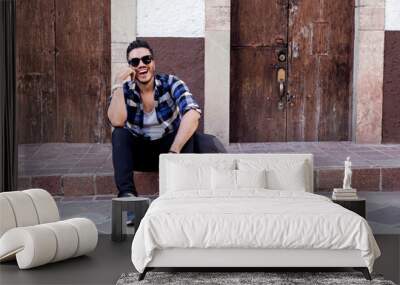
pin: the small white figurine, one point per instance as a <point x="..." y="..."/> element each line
<point x="347" y="174"/>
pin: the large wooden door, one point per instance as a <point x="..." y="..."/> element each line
<point x="257" y="38"/>
<point x="320" y="70"/>
<point x="315" y="37"/>
<point x="63" y="70"/>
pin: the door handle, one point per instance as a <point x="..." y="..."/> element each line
<point x="281" y="79"/>
<point x="281" y="88"/>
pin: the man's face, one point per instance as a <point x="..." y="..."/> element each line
<point x="144" y="72"/>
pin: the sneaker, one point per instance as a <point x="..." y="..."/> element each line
<point x="130" y="219"/>
<point x="130" y="216"/>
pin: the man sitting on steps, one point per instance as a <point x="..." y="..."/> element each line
<point x="151" y="114"/>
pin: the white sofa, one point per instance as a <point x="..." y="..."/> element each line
<point x="31" y="231"/>
<point x="178" y="230"/>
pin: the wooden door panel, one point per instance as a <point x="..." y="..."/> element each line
<point x="63" y="70"/>
<point x="258" y="22"/>
<point x="320" y="64"/>
<point x="258" y="32"/>
<point x="335" y="120"/>
<point x="83" y="68"/>
<point x="254" y="115"/>
<point x="35" y="72"/>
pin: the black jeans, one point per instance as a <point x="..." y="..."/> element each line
<point x="131" y="153"/>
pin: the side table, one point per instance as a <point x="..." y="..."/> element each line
<point x="138" y="205"/>
<point x="356" y="205"/>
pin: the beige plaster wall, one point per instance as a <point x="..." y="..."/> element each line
<point x="123" y="31"/>
<point x="368" y="71"/>
<point x="217" y="69"/>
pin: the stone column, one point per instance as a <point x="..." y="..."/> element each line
<point x="217" y="68"/>
<point x="368" y="70"/>
<point x="123" y="31"/>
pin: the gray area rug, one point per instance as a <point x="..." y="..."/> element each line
<point x="232" y="278"/>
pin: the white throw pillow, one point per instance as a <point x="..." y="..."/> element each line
<point x="227" y="179"/>
<point x="188" y="177"/>
<point x="223" y="179"/>
<point x="282" y="174"/>
<point x="251" y="178"/>
<point x="182" y="173"/>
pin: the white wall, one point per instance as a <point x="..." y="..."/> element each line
<point x="392" y="15"/>
<point x="172" y="18"/>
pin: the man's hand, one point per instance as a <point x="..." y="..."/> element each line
<point x="126" y="73"/>
<point x="117" y="113"/>
<point x="189" y="124"/>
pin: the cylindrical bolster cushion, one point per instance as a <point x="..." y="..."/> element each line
<point x="23" y="208"/>
<point x="41" y="244"/>
<point x="87" y="234"/>
<point x="26" y="208"/>
<point x="46" y="207"/>
<point x="7" y="218"/>
<point x="67" y="240"/>
<point x="33" y="246"/>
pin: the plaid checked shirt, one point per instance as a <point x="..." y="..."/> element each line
<point x="172" y="100"/>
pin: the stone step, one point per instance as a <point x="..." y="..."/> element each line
<point x="72" y="169"/>
<point x="88" y="184"/>
<point x="363" y="179"/>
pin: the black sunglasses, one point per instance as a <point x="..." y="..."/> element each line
<point x="136" y="60"/>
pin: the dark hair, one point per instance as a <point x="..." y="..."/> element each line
<point x="138" y="44"/>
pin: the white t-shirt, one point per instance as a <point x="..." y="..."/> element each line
<point x="151" y="126"/>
